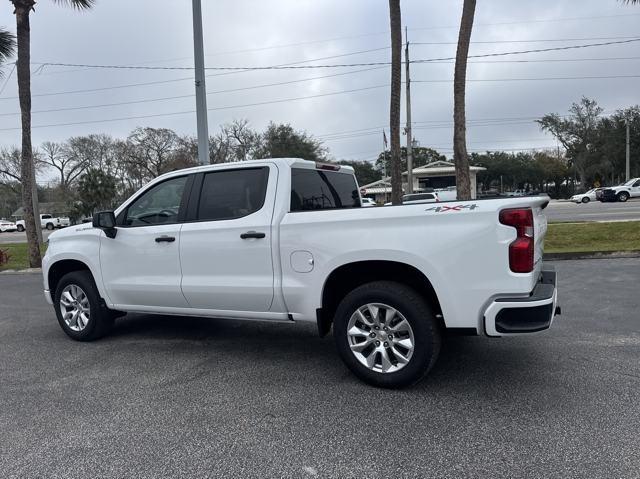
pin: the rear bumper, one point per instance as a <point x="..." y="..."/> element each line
<point x="531" y="314"/>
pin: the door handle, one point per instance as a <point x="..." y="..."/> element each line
<point x="252" y="234"/>
<point x="165" y="239"/>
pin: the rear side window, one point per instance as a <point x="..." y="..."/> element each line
<point x="322" y="190"/>
<point x="232" y="194"/>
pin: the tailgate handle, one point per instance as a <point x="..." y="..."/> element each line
<point x="252" y="234"/>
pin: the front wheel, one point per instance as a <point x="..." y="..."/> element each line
<point x="50" y="226"/>
<point x="585" y="200"/>
<point x="20" y="228"/>
<point x="387" y="334"/>
<point x="78" y="307"/>
<point x="624" y="196"/>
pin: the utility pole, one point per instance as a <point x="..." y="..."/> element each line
<point x="201" y="87"/>
<point x="408" y="127"/>
<point x="628" y="169"/>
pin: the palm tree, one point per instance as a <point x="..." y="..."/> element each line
<point x="7" y="46"/>
<point x="460" y="157"/>
<point x="22" y="10"/>
<point x="394" y="113"/>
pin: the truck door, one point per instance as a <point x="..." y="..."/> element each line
<point x="225" y="245"/>
<point x="141" y="265"/>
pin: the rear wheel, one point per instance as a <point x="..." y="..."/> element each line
<point x="78" y="307"/>
<point x="387" y="334"/>
<point x="624" y="196"/>
<point x="49" y="226"/>
<point x="20" y="228"/>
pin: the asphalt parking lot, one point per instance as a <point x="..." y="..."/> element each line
<point x="178" y="397"/>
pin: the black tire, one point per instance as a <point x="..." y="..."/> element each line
<point x="586" y="200"/>
<point x="20" y="228"/>
<point x="100" y="320"/>
<point x="414" y="308"/>
<point x="50" y="226"/>
<point x="623" y="197"/>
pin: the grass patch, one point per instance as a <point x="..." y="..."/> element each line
<point x="589" y="237"/>
<point x="18" y="255"/>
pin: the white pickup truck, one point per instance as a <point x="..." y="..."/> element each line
<point x="48" y="222"/>
<point x="287" y="240"/>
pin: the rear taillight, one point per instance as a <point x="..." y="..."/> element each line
<point x="521" y="250"/>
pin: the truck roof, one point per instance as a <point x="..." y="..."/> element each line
<point x="285" y="162"/>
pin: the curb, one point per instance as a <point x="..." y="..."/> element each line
<point x="22" y="271"/>
<point x="591" y="255"/>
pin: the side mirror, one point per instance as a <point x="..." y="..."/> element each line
<point x="106" y="221"/>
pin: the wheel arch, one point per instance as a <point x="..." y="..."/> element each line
<point x="58" y="269"/>
<point x="349" y="276"/>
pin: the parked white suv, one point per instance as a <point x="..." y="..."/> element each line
<point x="287" y="240"/>
<point x="629" y="189"/>
<point x="47" y="221"/>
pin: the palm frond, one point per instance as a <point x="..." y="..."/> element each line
<point x="631" y="2"/>
<point x="77" y="4"/>
<point x="7" y="45"/>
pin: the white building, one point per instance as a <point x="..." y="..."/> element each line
<point x="437" y="175"/>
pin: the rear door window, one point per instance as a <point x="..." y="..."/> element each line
<point x="313" y="190"/>
<point x="231" y="194"/>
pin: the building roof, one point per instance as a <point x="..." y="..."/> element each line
<point x="441" y="168"/>
<point x="45" y="208"/>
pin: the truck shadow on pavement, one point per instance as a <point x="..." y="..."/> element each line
<point x="482" y="365"/>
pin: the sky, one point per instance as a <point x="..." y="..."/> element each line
<point x="350" y="105"/>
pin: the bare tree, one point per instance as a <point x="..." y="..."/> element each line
<point x="68" y="166"/>
<point x="10" y="164"/>
<point x="151" y="151"/>
<point x="394" y="110"/>
<point x="460" y="156"/>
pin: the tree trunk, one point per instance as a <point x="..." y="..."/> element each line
<point x="394" y="112"/>
<point x="23" y="31"/>
<point x="463" y="181"/>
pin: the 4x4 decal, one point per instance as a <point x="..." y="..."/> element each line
<point x="444" y="209"/>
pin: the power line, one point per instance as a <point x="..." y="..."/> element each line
<point x="283" y="100"/>
<point x="339" y="65"/>
<point x="152" y="100"/>
<point x="603" y="77"/>
<point x="4" y="85"/>
<point x="491" y="42"/>
<point x="380" y="64"/>
<point x="536" y="50"/>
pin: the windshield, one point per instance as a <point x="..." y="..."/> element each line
<point x="629" y="183"/>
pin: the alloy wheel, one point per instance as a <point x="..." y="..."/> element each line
<point x="380" y="338"/>
<point x="75" y="307"/>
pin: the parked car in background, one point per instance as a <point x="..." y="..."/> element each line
<point x="629" y="189"/>
<point x="586" y="197"/>
<point x="7" y="226"/>
<point x="447" y="194"/>
<point x="286" y="240"/>
<point x="47" y="221"/>
<point x="368" y="202"/>
<point x="417" y="198"/>
<point x="515" y="193"/>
